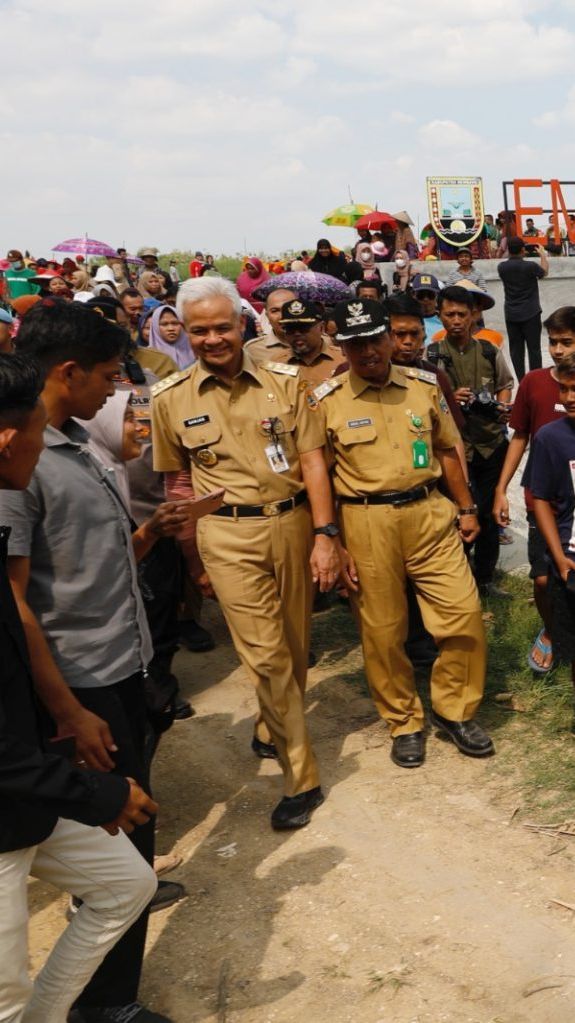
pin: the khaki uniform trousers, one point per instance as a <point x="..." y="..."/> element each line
<point x="417" y="541"/>
<point x="259" y="569"/>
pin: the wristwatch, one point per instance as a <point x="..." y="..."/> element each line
<point x="331" y="529"/>
<point x="468" y="511"/>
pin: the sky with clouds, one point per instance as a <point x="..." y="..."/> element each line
<point x="221" y="125"/>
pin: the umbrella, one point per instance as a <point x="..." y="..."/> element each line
<point x="311" y="287"/>
<point x="375" y="221"/>
<point x="86" y="247"/>
<point x="346" y="216"/>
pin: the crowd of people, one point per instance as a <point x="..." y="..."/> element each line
<point x="164" y="442"/>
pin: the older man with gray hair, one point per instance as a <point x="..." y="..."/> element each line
<point x="227" y="424"/>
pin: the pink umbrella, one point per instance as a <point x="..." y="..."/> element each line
<point x="86" y="247"/>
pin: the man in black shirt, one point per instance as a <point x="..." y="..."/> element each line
<point x="46" y="801"/>
<point x="522" y="308"/>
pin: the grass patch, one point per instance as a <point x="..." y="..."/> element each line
<point x="532" y="729"/>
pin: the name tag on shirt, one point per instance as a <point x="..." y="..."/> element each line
<point x="276" y="458"/>
<point x="353" y="423"/>
<point x="197" y="421"/>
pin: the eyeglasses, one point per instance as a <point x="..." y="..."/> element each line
<point x="422" y="295"/>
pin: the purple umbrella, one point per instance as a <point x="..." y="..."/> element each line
<point x="86" y="247"/>
<point x="311" y="287"/>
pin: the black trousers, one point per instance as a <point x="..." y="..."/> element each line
<point x="122" y="706"/>
<point x="483" y="476"/>
<point x="527" y="333"/>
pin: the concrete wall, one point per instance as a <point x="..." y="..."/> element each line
<point x="555" y="290"/>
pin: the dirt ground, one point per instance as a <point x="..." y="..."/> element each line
<point x="412" y="897"/>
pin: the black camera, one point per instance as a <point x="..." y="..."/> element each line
<point x="482" y="403"/>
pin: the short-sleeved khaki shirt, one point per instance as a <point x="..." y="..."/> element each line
<point x="268" y="346"/>
<point x="371" y="430"/>
<point x="320" y="368"/>
<point x="220" y="431"/>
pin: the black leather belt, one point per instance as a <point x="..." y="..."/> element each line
<point x="243" y="511"/>
<point x="395" y="497"/>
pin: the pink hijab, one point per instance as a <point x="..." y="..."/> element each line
<point x="246" y="284"/>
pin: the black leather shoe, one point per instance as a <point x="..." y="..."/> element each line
<point x="467" y="736"/>
<point x="264" y="750"/>
<point x="167" y="893"/>
<point x="408" y="750"/>
<point x="296" y="811"/>
<point x="182" y="709"/>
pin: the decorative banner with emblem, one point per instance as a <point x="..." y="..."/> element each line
<point x="456" y="209"/>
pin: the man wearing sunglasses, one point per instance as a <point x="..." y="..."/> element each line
<point x="425" y="288"/>
<point x="309" y="348"/>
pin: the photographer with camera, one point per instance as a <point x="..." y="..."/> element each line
<point x="482" y="384"/>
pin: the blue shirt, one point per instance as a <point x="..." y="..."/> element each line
<point x="432" y="324"/>
<point x="551" y="474"/>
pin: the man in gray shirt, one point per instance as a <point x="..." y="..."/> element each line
<point x="73" y="571"/>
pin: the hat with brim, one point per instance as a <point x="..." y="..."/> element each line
<point x="149" y="252"/>
<point x="295" y="312"/>
<point x="481" y="297"/>
<point x="359" y="319"/>
<point x="403" y="217"/>
<point x="45" y="278"/>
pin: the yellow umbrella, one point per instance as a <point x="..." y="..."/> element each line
<point x="346" y="216"/>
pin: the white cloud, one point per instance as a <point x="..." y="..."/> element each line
<point x="448" y="135"/>
<point x="399" y="117"/>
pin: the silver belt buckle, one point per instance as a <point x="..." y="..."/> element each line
<point x="271" y="508"/>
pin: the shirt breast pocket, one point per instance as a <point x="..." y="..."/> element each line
<point x="420" y="424"/>
<point x="358" y="443"/>
<point x="202" y="443"/>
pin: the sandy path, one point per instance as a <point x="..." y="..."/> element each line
<point x="411" y="898"/>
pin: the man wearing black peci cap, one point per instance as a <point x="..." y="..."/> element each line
<point x="303" y="325"/>
<point x="392" y="438"/>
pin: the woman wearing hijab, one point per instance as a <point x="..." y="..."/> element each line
<point x="326" y="261"/>
<point x="365" y="257"/>
<point x="144" y="327"/>
<point x="253" y="274"/>
<point x="151" y="285"/>
<point x="404" y="237"/>
<point x="168" y="336"/>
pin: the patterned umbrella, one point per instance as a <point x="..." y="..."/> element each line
<point x="310" y="286"/>
<point x="346" y="216"/>
<point x="85" y="247"/>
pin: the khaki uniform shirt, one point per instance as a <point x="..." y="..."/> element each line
<point x="199" y="419"/>
<point x="322" y="366"/>
<point x="371" y="431"/>
<point x="266" y="348"/>
<point x="158" y="364"/>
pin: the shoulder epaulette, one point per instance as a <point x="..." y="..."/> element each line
<point x="420" y="374"/>
<point x="327" y="387"/>
<point x="282" y="367"/>
<point x="174" y="378"/>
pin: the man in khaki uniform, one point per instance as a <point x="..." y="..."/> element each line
<point x="309" y="349"/>
<point x="226" y="423"/>
<point x="270" y="345"/>
<point x="392" y="438"/>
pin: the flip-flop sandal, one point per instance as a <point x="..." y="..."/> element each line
<point x="545" y="648"/>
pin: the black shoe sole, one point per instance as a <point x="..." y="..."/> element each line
<point x="462" y="749"/>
